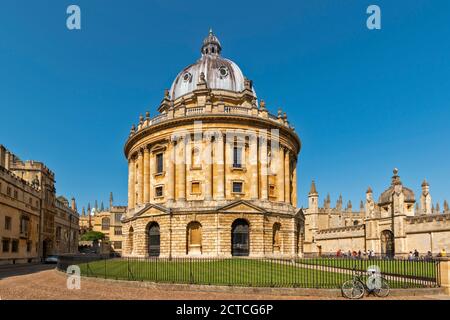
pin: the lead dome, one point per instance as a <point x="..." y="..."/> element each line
<point x="219" y="73"/>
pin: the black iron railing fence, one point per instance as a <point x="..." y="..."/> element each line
<point x="255" y="272"/>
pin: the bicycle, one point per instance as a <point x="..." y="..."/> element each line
<point x="356" y="287"/>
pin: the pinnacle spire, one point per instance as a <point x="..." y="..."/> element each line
<point x="313" y="190"/>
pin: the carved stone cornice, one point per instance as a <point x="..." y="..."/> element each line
<point x="254" y="121"/>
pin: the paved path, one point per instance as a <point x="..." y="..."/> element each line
<point x="43" y="282"/>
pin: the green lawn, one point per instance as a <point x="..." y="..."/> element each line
<point x="236" y="272"/>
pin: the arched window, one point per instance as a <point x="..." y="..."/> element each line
<point x="194" y="238"/>
<point x="153" y="239"/>
<point x="276" y="237"/>
<point x="240" y="238"/>
<point x="105" y="223"/>
<point x="131" y="239"/>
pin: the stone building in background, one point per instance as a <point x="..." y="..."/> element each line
<point x="105" y="220"/>
<point x="393" y="225"/>
<point x="214" y="173"/>
<point x="34" y="223"/>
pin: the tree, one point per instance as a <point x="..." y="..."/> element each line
<point x="92" y="236"/>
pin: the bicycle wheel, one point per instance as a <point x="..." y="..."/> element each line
<point x="352" y="289"/>
<point x="383" y="291"/>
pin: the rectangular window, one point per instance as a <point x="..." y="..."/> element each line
<point x="16" y="194"/>
<point x="159" y="163"/>
<point x="7" y="223"/>
<point x="159" y="191"/>
<point x="195" y="187"/>
<point x="117" y="245"/>
<point x="118" y="231"/>
<point x="118" y="217"/>
<point x="24" y="224"/>
<point x="5" y="245"/>
<point x="58" y="233"/>
<point x="8" y="191"/>
<point x="15" y="246"/>
<point x="272" y="190"/>
<point x="29" y="246"/>
<point x="237" y="187"/>
<point x="237" y="157"/>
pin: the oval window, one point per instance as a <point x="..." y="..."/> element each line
<point x="223" y="72"/>
<point x="187" y="77"/>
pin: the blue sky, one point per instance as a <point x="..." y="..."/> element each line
<point x="363" y="102"/>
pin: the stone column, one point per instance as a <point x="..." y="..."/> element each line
<point x="171" y="171"/>
<point x="264" y="169"/>
<point x="280" y="174"/>
<point x="141" y="177"/>
<point x="294" y="185"/>
<point x="146" y="175"/>
<point x="444" y="272"/>
<point x="208" y="168"/>
<point x="220" y="163"/>
<point x="253" y="163"/>
<point x="287" y="177"/>
<point x="181" y="170"/>
<point x="131" y="183"/>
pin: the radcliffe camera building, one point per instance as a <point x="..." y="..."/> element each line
<point x="34" y="223"/>
<point x="214" y="173"/>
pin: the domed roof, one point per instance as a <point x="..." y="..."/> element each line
<point x="386" y="196"/>
<point x="218" y="72"/>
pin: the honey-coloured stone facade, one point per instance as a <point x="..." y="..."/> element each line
<point x="214" y="174"/>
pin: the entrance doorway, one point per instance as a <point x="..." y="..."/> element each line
<point x="387" y="243"/>
<point x="154" y="240"/>
<point x="240" y="244"/>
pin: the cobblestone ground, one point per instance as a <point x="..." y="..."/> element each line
<point x="43" y="283"/>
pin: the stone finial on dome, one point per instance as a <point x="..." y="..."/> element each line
<point x="211" y="44"/>
<point x="396" y="178"/>
<point x="280" y="113"/>
<point x="202" y="78"/>
<point x="133" y="129"/>
<point x="262" y="104"/>
<point x="369" y="190"/>
<point x="147" y="115"/>
<point x="248" y="84"/>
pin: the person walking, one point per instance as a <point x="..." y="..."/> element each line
<point x="416" y="254"/>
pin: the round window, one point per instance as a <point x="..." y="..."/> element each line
<point x="223" y="72"/>
<point x="187" y="77"/>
